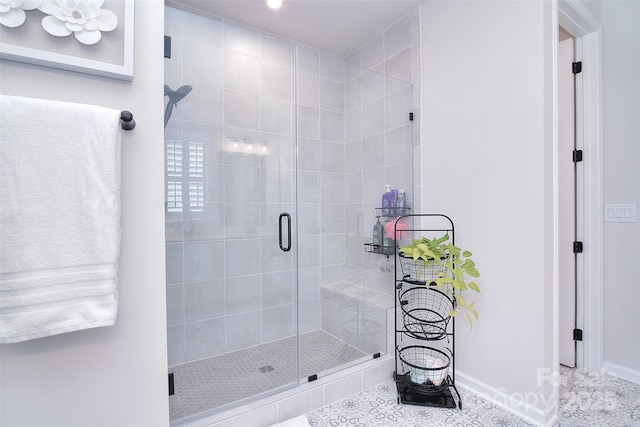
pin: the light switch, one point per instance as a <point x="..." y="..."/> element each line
<point x="610" y="213"/>
<point x="619" y="212"/>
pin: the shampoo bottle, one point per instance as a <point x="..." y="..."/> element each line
<point x="386" y="242"/>
<point x="393" y="203"/>
<point x="402" y="203"/>
<point x="386" y="201"/>
<point x="378" y="236"/>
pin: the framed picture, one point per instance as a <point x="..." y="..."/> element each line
<point x="87" y="36"/>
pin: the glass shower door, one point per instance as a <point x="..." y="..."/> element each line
<point x="230" y="214"/>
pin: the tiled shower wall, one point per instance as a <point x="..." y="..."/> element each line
<point x="243" y="88"/>
<point x="221" y="294"/>
<point x="228" y="284"/>
<point x="381" y="141"/>
<point x="380" y="144"/>
<point x="321" y="197"/>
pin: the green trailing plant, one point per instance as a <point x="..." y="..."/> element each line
<point x="457" y="275"/>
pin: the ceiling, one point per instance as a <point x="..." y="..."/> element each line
<point x="338" y="26"/>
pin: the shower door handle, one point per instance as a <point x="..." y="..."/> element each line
<point x="288" y="247"/>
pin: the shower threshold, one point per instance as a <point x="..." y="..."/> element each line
<point x="218" y="382"/>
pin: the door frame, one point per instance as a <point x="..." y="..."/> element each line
<point x="570" y="207"/>
<point x="577" y="20"/>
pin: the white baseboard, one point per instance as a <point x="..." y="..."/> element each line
<point x="622" y="372"/>
<point x="515" y="403"/>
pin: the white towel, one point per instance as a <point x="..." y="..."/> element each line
<point x="300" y="421"/>
<point x="59" y="217"/>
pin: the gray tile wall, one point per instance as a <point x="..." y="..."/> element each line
<point x="228" y="284"/>
<point x="381" y="142"/>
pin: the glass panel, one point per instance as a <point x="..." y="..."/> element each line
<point x="231" y="290"/>
<point x="354" y="137"/>
<point x="257" y="128"/>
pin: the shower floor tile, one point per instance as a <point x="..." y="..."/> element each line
<point x="221" y="380"/>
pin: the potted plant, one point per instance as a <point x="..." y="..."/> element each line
<point x="439" y="261"/>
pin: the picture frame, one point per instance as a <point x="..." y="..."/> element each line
<point x="111" y="57"/>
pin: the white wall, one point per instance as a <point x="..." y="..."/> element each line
<point x="116" y="375"/>
<point x="487" y="148"/>
<point x="593" y="6"/>
<point x="621" y="94"/>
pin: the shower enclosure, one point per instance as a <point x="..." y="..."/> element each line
<point x="276" y="157"/>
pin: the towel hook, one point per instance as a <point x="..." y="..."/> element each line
<point x="126" y="120"/>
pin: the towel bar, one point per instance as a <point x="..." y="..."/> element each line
<point x="126" y="120"/>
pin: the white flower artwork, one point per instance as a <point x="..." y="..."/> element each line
<point x="85" y="19"/>
<point x="12" y="11"/>
<point x="37" y="32"/>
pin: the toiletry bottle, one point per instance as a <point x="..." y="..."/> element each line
<point x="386" y="201"/>
<point x="393" y="203"/>
<point x="378" y="233"/>
<point x="402" y="202"/>
<point x="386" y="242"/>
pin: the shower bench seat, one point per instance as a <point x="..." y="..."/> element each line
<point x="358" y="292"/>
<point x="356" y="315"/>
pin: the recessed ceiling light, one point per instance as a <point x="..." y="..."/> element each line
<point x="274" y="4"/>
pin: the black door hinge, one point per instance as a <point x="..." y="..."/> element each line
<point x="167" y="47"/>
<point x="576" y="67"/>
<point x="577" y="334"/>
<point x="577" y="156"/>
<point x="577" y="247"/>
<point x="172" y="389"/>
<point x="410" y="117"/>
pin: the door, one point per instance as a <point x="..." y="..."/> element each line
<point x="566" y="203"/>
<point x="230" y="214"/>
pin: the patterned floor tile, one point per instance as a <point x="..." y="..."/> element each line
<point x="378" y="406"/>
<point x="597" y="399"/>
<point x="587" y="399"/>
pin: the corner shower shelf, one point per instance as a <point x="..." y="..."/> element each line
<point x="425" y="331"/>
<point x="379" y="249"/>
<point x="386" y="213"/>
<point x="392" y="212"/>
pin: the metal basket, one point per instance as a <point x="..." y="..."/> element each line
<point x="420" y="271"/>
<point x="425" y="311"/>
<point x="426" y="368"/>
